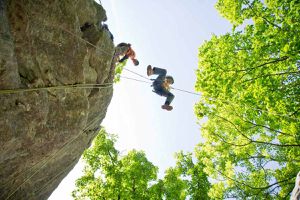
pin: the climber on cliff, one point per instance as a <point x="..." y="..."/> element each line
<point x="161" y="85"/>
<point x="125" y="50"/>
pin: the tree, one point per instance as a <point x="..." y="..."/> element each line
<point x="157" y="190"/>
<point x="174" y="186"/>
<point x="108" y="175"/>
<point x="186" y="180"/>
<point x="196" y="179"/>
<point x="102" y="177"/>
<point x="249" y="82"/>
<point x="137" y="172"/>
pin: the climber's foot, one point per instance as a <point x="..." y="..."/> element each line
<point x="149" y="70"/>
<point x="167" y="107"/>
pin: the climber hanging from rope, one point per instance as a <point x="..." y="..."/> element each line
<point x="161" y="85"/>
<point x="125" y="50"/>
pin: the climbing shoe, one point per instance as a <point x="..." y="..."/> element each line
<point x="149" y="70"/>
<point x="167" y="107"/>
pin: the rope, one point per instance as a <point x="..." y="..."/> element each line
<point x="79" y="86"/>
<point x="63" y="87"/>
<point x="227" y="102"/>
<point x="81" y="39"/>
<point x="173" y="87"/>
<point x="129" y="78"/>
<point x="7" y="40"/>
<point x="50" y="157"/>
<point x="186" y="91"/>
<point x="137" y="74"/>
<point x="194" y="93"/>
<point x="6" y="55"/>
<point x="53" y="178"/>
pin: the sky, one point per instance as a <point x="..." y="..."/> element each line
<point x="165" y="34"/>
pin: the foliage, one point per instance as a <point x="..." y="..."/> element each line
<point x="249" y="82"/>
<point x="196" y="179"/>
<point x="174" y="186"/>
<point x="118" y="70"/>
<point x="186" y="180"/>
<point x="108" y="175"/>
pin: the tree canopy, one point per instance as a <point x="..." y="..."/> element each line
<point x="249" y="81"/>
<point x="110" y="175"/>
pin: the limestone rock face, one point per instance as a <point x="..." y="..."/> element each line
<point x="49" y="43"/>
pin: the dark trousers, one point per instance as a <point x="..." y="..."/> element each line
<point x="124" y="58"/>
<point x="158" y="85"/>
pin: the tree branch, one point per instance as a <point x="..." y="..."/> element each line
<point x="257" y="141"/>
<point x="256" y="188"/>
<point x="264" y="18"/>
<point x="271" y="129"/>
<point x="234" y="127"/>
<point x="268" y="158"/>
<point x="237" y="145"/>
<point x="268" y="75"/>
<point x="264" y="64"/>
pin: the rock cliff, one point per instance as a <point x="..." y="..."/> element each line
<point x="47" y="44"/>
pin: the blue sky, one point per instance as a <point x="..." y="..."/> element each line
<point x="166" y="34"/>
